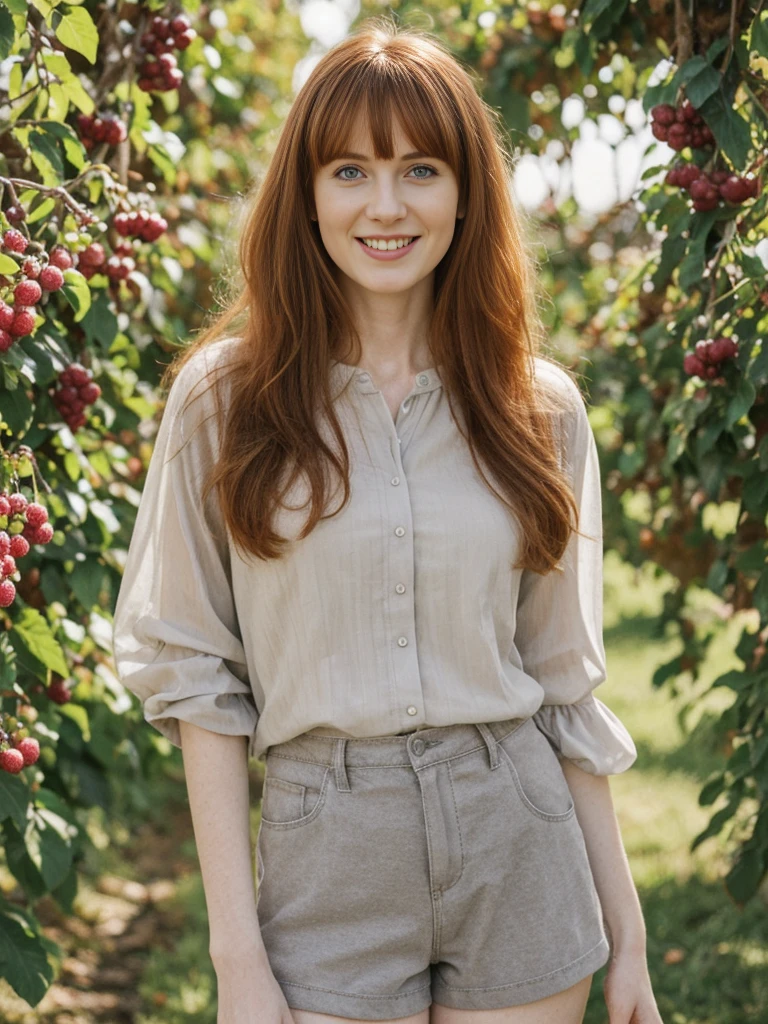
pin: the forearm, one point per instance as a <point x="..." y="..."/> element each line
<point x="216" y="770"/>
<point x="607" y="857"/>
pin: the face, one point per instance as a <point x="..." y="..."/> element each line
<point x="412" y="198"/>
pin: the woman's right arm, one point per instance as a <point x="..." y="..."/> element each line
<point x="216" y="772"/>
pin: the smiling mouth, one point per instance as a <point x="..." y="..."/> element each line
<point x="386" y="245"/>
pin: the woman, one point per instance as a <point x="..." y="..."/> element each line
<point x="415" y="660"/>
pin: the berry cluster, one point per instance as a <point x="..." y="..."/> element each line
<point x="680" y="126"/>
<point x="23" y="750"/>
<point x="91" y="259"/>
<point x="22" y="523"/>
<point x="707" y="188"/>
<point x="96" y="128"/>
<point x="159" y="71"/>
<point x="705" y="361"/>
<point x="140" y="224"/>
<point x="75" y="389"/>
<point x="18" y="320"/>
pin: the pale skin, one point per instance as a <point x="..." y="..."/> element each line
<point x="391" y="302"/>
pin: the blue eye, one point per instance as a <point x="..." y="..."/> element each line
<point x="419" y="167"/>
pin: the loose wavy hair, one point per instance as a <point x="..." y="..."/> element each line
<point x="291" y="320"/>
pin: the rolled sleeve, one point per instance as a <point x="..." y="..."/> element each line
<point x="176" y="639"/>
<point x="559" y="631"/>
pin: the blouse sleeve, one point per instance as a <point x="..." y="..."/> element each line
<point x="176" y="639"/>
<point x="559" y="633"/>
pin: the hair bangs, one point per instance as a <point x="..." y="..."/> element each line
<point x="377" y="94"/>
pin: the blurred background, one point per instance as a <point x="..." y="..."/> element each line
<point x="102" y="912"/>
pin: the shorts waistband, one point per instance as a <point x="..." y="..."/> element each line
<point x="418" y="748"/>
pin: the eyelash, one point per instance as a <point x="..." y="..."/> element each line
<point x="348" y="166"/>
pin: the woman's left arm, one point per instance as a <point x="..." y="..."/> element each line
<point x="628" y="992"/>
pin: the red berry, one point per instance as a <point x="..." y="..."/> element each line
<point x="16" y="214"/>
<point x="30" y="749"/>
<point x="19" y="546"/>
<point x="5" y="510"/>
<point x="23" y="322"/>
<point x="31" y="268"/>
<point x="59" y="692"/>
<point x="11" y="760"/>
<point x="6" y="340"/>
<point x="93" y="255"/>
<point x="60" y="257"/>
<point x="5" y="539"/>
<point x="36" y="514"/>
<point x="27" y="293"/>
<point x="7" y="313"/>
<point x="43" y="534"/>
<point x="17" y="501"/>
<point x="15" y="241"/>
<point x="7" y="565"/>
<point x="7" y="593"/>
<point x="51" y="278"/>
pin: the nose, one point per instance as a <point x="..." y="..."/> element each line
<point x="385" y="202"/>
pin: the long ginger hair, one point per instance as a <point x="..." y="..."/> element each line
<point x="290" y="318"/>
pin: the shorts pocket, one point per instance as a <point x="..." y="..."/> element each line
<point x="294" y="792"/>
<point x="536" y="773"/>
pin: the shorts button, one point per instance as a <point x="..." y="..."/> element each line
<point x="418" y="747"/>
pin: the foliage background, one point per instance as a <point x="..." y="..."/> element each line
<point x="633" y="289"/>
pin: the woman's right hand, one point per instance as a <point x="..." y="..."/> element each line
<point x="248" y="991"/>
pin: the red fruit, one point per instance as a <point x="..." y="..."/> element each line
<point x="51" y="278"/>
<point x="60" y="257"/>
<point x="36" y="514"/>
<point x="29" y="748"/>
<point x="19" y="546"/>
<point x="93" y="255"/>
<point x="5" y="510"/>
<point x="77" y="375"/>
<point x="17" y="501"/>
<point x="27" y="293"/>
<point x="59" y="692"/>
<point x="43" y="534"/>
<point x="31" y="268"/>
<point x="90" y="392"/>
<point x="16" y="214"/>
<point x="7" y="593"/>
<point x="11" y="760"/>
<point x="693" y="366"/>
<point x="663" y="113"/>
<point x="15" y="241"/>
<point x="7" y="313"/>
<point x="23" y="322"/>
<point x="5" y="539"/>
<point x="6" y="340"/>
<point x="184" y="39"/>
<point x="7" y="565"/>
<point x="678" y="136"/>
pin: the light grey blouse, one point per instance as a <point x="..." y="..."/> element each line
<point x="398" y="613"/>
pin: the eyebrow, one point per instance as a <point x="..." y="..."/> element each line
<point x="362" y="156"/>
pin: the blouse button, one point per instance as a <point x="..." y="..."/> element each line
<point x="395" y="481"/>
<point x="412" y="710"/>
<point x="423" y="379"/>
<point x="399" y="531"/>
<point x="403" y="641"/>
<point x="363" y="377"/>
<point x="405" y="406"/>
<point x="400" y="588"/>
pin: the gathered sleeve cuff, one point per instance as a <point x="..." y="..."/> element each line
<point x="175" y="635"/>
<point x="589" y="734"/>
<point x="559" y="626"/>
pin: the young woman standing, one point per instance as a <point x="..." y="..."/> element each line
<point x="415" y="659"/>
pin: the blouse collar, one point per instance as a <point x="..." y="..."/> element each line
<point x="425" y="380"/>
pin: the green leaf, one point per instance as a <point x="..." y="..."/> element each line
<point x="49" y="152"/>
<point x="16" y="6"/>
<point x="35" y="634"/>
<point x="77" y="293"/>
<point x="7" y="33"/>
<point x="744" y="877"/>
<point x="758" y="36"/>
<point x="730" y="129"/>
<point x="23" y="961"/>
<point x="77" y="31"/>
<point x="8" y="264"/>
<point x="14" y="799"/>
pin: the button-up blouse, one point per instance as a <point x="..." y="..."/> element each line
<point x="398" y="613"/>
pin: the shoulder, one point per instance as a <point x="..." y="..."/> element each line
<point x="198" y="392"/>
<point x="563" y="400"/>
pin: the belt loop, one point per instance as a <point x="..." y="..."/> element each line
<point x="339" y="765"/>
<point x="490" y="742"/>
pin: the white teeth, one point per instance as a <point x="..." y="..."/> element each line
<point x="380" y="243"/>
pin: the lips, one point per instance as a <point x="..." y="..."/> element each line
<point x="388" y="254"/>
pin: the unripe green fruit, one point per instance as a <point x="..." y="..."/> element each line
<point x="85" y="238"/>
<point x="15" y="527"/>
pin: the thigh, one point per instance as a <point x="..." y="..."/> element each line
<point x="310" y="1017"/>
<point x="566" y="1007"/>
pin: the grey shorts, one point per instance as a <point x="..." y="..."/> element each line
<point x="445" y="864"/>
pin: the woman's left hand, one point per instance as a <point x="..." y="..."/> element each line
<point x="628" y="992"/>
